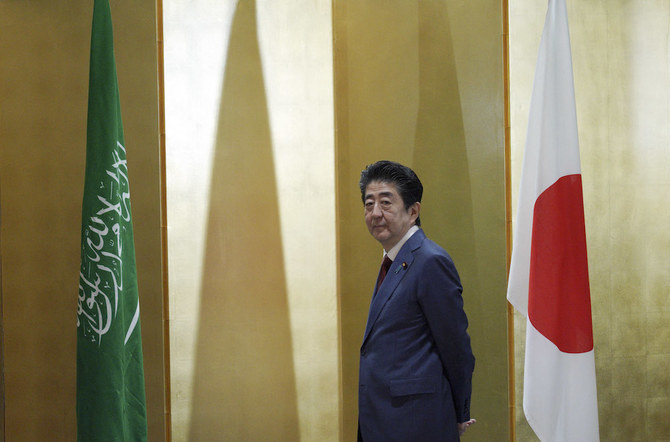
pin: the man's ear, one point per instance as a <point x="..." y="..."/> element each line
<point x="414" y="210"/>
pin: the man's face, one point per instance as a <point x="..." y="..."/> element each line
<point x="385" y="213"/>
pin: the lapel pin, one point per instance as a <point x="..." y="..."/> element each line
<point x="403" y="266"/>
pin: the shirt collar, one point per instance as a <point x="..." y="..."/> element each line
<point x="396" y="248"/>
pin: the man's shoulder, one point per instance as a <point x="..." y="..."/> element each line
<point x="428" y="245"/>
<point x="429" y="249"/>
<point x="419" y="243"/>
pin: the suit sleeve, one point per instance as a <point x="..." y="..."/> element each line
<point x="442" y="304"/>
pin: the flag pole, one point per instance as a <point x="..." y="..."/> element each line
<point x="511" y="386"/>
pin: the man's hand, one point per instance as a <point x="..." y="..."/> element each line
<point x="464" y="426"/>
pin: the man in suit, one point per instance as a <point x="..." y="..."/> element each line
<point x="416" y="362"/>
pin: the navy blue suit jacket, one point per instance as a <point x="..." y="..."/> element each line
<point x="416" y="363"/>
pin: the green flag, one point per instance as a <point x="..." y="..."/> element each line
<point x="110" y="377"/>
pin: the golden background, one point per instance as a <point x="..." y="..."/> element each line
<point x="272" y="109"/>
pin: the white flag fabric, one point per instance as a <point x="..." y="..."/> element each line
<point x="548" y="280"/>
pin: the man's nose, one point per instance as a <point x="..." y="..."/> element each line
<point x="376" y="210"/>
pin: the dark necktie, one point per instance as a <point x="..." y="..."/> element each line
<point x="386" y="264"/>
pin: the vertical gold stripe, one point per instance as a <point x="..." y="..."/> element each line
<point x="164" y="232"/>
<point x="340" y="104"/>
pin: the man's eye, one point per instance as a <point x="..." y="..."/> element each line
<point x="386" y="203"/>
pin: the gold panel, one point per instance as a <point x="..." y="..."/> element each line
<point x="244" y="382"/>
<point x="251" y="207"/>
<point x="421" y="83"/>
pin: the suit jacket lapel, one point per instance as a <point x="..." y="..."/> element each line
<point x="395" y="274"/>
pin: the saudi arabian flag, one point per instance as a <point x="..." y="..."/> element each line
<point x="110" y="378"/>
